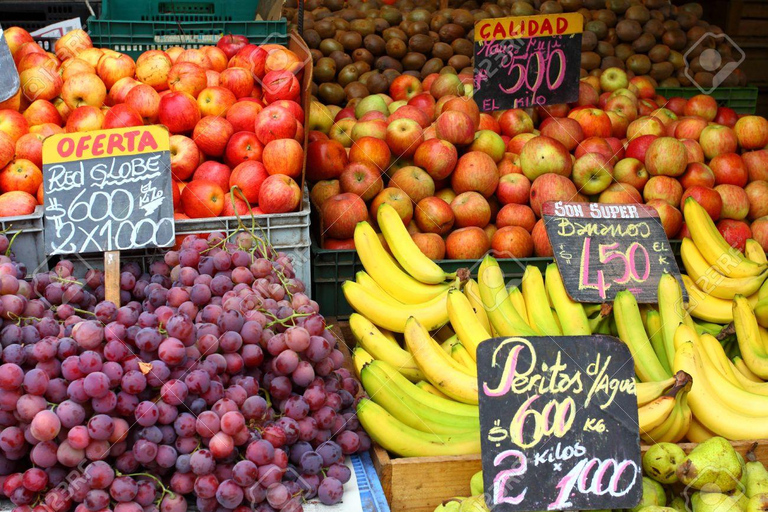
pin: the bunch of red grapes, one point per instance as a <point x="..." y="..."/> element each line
<point x="217" y="378"/>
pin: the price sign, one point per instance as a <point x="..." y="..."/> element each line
<point x="108" y="190"/>
<point x="602" y="249"/>
<point x="558" y="424"/>
<point x="9" y="78"/>
<point x="527" y="61"/>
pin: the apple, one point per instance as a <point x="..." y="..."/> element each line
<point x="433" y="215"/>
<point x="409" y="112"/>
<point x="280" y="85"/>
<point x="516" y="215"/>
<point x="372" y="128"/>
<point x="371" y="150"/>
<point x="593" y="122"/>
<point x="341" y="131"/>
<point x="470" y="243"/>
<point x="490" y="143"/>
<point x="513" y="188"/>
<point x="756" y="163"/>
<point x="514" y="122"/>
<point x="666" y="116"/>
<point x="217" y="173"/>
<point x="510" y="164"/>
<point x="708" y="198"/>
<point x="632" y="172"/>
<point x="566" y="131"/>
<point x="85" y="119"/>
<point x="735" y="202"/>
<point x="72" y="43"/>
<point x="438" y="157"/>
<point x="215" y="101"/>
<point x="211" y="134"/>
<point x="516" y="143"/>
<point x="188" y="78"/>
<point x="122" y="116"/>
<point x="28" y="147"/>
<point x="695" y="153"/>
<point x="185" y="157"/>
<point x="475" y="171"/>
<point x="717" y="140"/>
<point x="735" y="232"/>
<point x="638" y="147"/>
<point x="759" y="229"/>
<point x="152" y="69"/>
<point x="430" y="244"/>
<point x="15" y="37"/>
<point x="645" y="126"/>
<point x="666" y="156"/>
<point x="404" y="137"/>
<point x="542" y="155"/>
<point x="446" y="194"/>
<point x="664" y="188"/>
<point x="273" y="123"/>
<point x="370" y="103"/>
<point x="620" y="193"/>
<point x="239" y="81"/>
<point x="445" y="85"/>
<point x="726" y="116"/>
<point x="179" y="112"/>
<point x="558" y="110"/>
<point x="251" y="57"/>
<point x="341" y="213"/>
<point x="647" y="107"/>
<point x="195" y="56"/>
<point x="471" y="209"/>
<point x="541" y="246"/>
<point x="752" y="132"/>
<point x="488" y="122"/>
<point x="112" y="68"/>
<point x="322" y="190"/>
<point x="120" y="90"/>
<point x="84" y="89"/>
<point x="623" y="105"/>
<point x="41" y="112"/>
<point x="644" y="86"/>
<point x="690" y="128"/>
<point x="551" y="187"/>
<point x="592" y="173"/>
<point x="405" y="87"/>
<point x="588" y="95"/>
<point x="279" y="194"/>
<point x="396" y="198"/>
<point x="701" y="105"/>
<point x="697" y="173"/>
<point x="145" y="101"/>
<point x="595" y="145"/>
<point x="414" y="181"/>
<point x="757" y="192"/>
<point x="729" y="168"/>
<point x="243" y="115"/>
<point x="455" y="127"/>
<point x="284" y="156"/>
<point x="231" y="44"/>
<point x="326" y="160"/>
<point x="613" y="79"/>
<point x="13" y="124"/>
<point x="512" y="242"/>
<point x="40" y="82"/>
<point x="671" y="218"/>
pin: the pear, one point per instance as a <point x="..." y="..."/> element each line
<point x="474" y="504"/>
<point x="451" y="505"/>
<point x="679" y="505"/>
<point x="653" y="495"/>
<point x="476" y="484"/>
<point x="757" y="478"/>
<point x="661" y="460"/>
<point x="758" y="502"/>
<point x="714" y="502"/>
<point x="713" y="466"/>
<point x="654" y="508"/>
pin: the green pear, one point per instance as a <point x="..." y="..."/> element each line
<point x="653" y="495"/>
<point x="714" y="502"/>
<point x="757" y="478"/>
<point x="713" y="466"/>
<point x="758" y="503"/>
<point x="661" y="460"/>
<point x="476" y="484"/>
<point x="741" y="499"/>
<point x="451" y="505"/>
<point x="474" y="504"/>
<point x="654" y="508"/>
<point x="679" y="505"/>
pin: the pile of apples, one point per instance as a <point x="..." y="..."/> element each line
<point x="466" y="182"/>
<point x="233" y="110"/>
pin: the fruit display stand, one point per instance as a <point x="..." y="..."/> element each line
<point x="26" y="233"/>
<point x="741" y="99"/>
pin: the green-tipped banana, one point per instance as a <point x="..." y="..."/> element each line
<point x="632" y="332"/>
<point x="573" y="318"/>
<point x="505" y="319"/>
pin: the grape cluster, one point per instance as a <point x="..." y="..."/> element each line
<point x="216" y="378"/>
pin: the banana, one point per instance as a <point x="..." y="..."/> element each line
<point x="708" y="408"/>
<point x="672" y="313"/>
<point x="372" y="341"/>
<point x="433" y="313"/>
<point x="715" y="356"/>
<point x="472" y="293"/>
<point x="400" y="439"/>
<point x="573" y="318"/>
<point x="674" y="428"/>
<point x="506" y="321"/>
<point x="426" y="386"/>
<point x="706" y="307"/>
<point x="390" y="336"/>
<point x="653" y="414"/>
<point x="422" y="392"/>
<point x="727" y="260"/>
<point x="465" y="322"/>
<point x="649" y="391"/>
<point x="754" y="251"/>
<point x="632" y="333"/>
<point x="447" y="345"/>
<point x="383" y="269"/>
<point x="653" y="328"/>
<point x="738" y="362"/>
<point x="408" y="410"/>
<point x="405" y="250"/>
<point x="761" y="312"/>
<point x="518" y="302"/>
<point x="432" y="362"/>
<point x="698" y="433"/>
<point x="707" y="327"/>
<point x="753" y="349"/>
<point x="537" y="303"/>
<point x="363" y="279"/>
<point x="461" y="356"/>
<point x="360" y="357"/>
<point x="709" y="279"/>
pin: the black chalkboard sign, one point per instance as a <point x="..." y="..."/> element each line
<point x="108" y="190"/>
<point x="9" y="77"/>
<point x="527" y="61"/>
<point x="558" y="424"/>
<point x="602" y="249"/>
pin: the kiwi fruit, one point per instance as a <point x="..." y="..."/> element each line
<point x="421" y="43"/>
<point x="325" y="70"/>
<point x="394" y="33"/>
<point x="459" y="61"/>
<point x="351" y="40"/>
<point x="327" y="46"/>
<point x="363" y="55"/>
<point x="675" y="39"/>
<point x="396" y="48"/>
<point x="450" y="32"/>
<point x="448" y="69"/>
<point x="316" y="55"/>
<point x="391" y="74"/>
<point x="414" y="61"/>
<point x="639" y="13"/>
<point x="522" y="9"/>
<point x="654" y="27"/>
<point x="463" y="47"/>
<point x="598" y="27"/>
<point x="605" y="49"/>
<point x="659" y="53"/>
<point x="433" y="65"/>
<point x="588" y="41"/>
<point x="624" y="51"/>
<point x="391" y="14"/>
<point x="438" y="21"/>
<point x="463" y="18"/>
<point x="442" y="51"/>
<point x="341" y="59"/>
<point x="331" y="93"/>
<point x="628" y="30"/>
<point x="612" y="62"/>
<point x="377" y="83"/>
<point x="551" y="7"/>
<point x="356" y="90"/>
<point x="375" y="44"/>
<point x="639" y="64"/>
<point x="348" y="75"/>
<point x="312" y="38"/>
<point x="387" y="61"/>
<point x="361" y="66"/>
<point x="325" y="29"/>
<point x="644" y="43"/>
<point x="590" y="60"/>
<point x="661" y="70"/>
<point x="686" y="20"/>
<point x="606" y="16"/>
<point x="571" y="5"/>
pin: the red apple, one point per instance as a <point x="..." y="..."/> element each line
<point x="179" y="112"/>
<point x="85" y="119"/>
<point x="396" y="198"/>
<point x="690" y="128"/>
<point x="361" y="179"/>
<point x="188" y="78"/>
<point x="757" y="191"/>
<point x="637" y="147"/>
<point x="431" y="244"/>
<point x="279" y="194"/>
<point x="112" y="68"/>
<point x="677" y="105"/>
<point x="212" y="134"/>
<point x="516" y="143"/>
<point x="242" y="146"/>
<point x="620" y="193"/>
<point x="666" y="156"/>
<point x="514" y="122"/>
<point x="280" y="84"/>
<point x="645" y="126"/>
<point x="424" y="102"/>
<point x="702" y="105"/>
<point x="455" y="127"/>
<point x="185" y="157"/>
<point x="594" y="122"/>
<point x="512" y="242"/>
<point x="13" y="124"/>
<point x="231" y="44"/>
<point x="433" y="215"/>
<point x="274" y="123"/>
<point x="122" y="116"/>
<point x="551" y="187"/>
<point x="152" y="68"/>
<point x="470" y="243"/>
<point x="695" y="153"/>
<point x="414" y="181"/>
<point x="671" y="218"/>
<point x="752" y="132"/>
<point x="405" y="87"/>
<point x="516" y="215"/>
<point x="322" y="190"/>
<point x="735" y="232"/>
<point x="438" y="157"/>
<point x="513" y="188"/>
<point x="471" y="209"/>
<point x="717" y="140"/>
<point x="145" y="101"/>
<point x="664" y="188"/>
<point x="757" y="164"/>
<point x="564" y="130"/>
<point x="726" y="116"/>
<point x="760" y="231"/>
<point x="632" y="172"/>
<point x="370" y="150"/>
<point x="341" y="213"/>
<point x="284" y="156"/>
<point x="735" y="202"/>
<point x="541" y="246"/>
<point x="28" y="147"/>
<point x="729" y="168"/>
<point x="542" y="155"/>
<point x="404" y="137"/>
<point x="214" y="172"/>
<point x="326" y="160"/>
<point x="475" y="171"/>
<point x="588" y="95"/>
<point x="697" y="174"/>
<point x="708" y="198"/>
<point x="243" y="115"/>
<point x="595" y="145"/>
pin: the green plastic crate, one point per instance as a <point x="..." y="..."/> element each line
<point x="741" y="99"/>
<point x="135" y="37"/>
<point x="181" y="11"/>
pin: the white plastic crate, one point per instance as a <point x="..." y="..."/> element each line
<point x="29" y="245"/>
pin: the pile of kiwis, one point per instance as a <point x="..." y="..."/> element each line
<point x="360" y="46"/>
